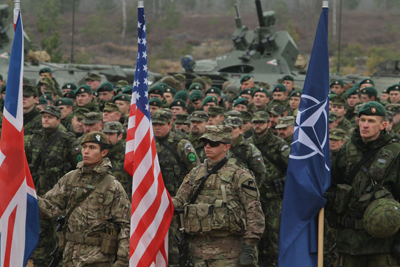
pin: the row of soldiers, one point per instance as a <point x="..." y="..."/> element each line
<point x="56" y="120"/>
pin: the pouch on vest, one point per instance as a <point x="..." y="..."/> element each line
<point x="343" y="194"/>
<point x="109" y="243"/>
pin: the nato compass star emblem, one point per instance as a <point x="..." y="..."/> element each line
<point x="310" y="140"/>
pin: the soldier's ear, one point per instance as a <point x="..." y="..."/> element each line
<point x="104" y="152"/>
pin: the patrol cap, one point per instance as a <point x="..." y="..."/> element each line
<point x="195" y="86"/>
<point x="113" y="127"/>
<point x="91" y="117"/>
<point x="105" y="87"/>
<point x="156" y="89"/>
<point x="128" y="90"/>
<point x="71" y="86"/>
<point x="45" y="70"/>
<point x="200" y="81"/>
<point x="111" y="107"/>
<point x="198" y="115"/>
<point x="47" y="97"/>
<point x="121" y="83"/>
<point x="95" y="137"/>
<point x="233" y="122"/>
<point x="56" y="111"/>
<point x="122" y="97"/>
<point x="232" y="88"/>
<point x="156" y="102"/>
<point x="370" y="81"/>
<point x="394" y="87"/>
<point x="207" y="79"/>
<point x="338" y="100"/>
<point x="195" y="95"/>
<point x="372" y="108"/>
<point x="295" y="93"/>
<point x="287" y="78"/>
<point x="245" y="78"/>
<point x="246" y="116"/>
<point x="65" y="102"/>
<point x="93" y="77"/>
<point x="29" y="90"/>
<point x="215" y="110"/>
<point x="337" y="134"/>
<point x="247" y="92"/>
<point x="210" y="99"/>
<point x="181" y="95"/>
<point x="83" y="89"/>
<point x="352" y="91"/>
<point x="70" y="94"/>
<point x="261" y="90"/>
<point x="80" y="112"/>
<point x="332" y="116"/>
<point x="178" y="103"/>
<point x="285" y="122"/>
<point x="180" y="77"/>
<point x="336" y="82"/>
<point x="161" y="116"/>
<point x="233" y="113"/>
<point x="371" y="91"/>
<point x="50" y="90"/>
<point x="394" y="108"/>
<point x="171" y="82"/>
<point x="47" y="81"/>
<point x="171" y="90"/>
<point x="218" y="133"/>
<point x="261" y="115"/>
<point x="181" y="118"/>
<point x="213" y="90"/>
<point x="277" y="110"/>
<point x="279" y="88"/>
<point x="242" y="101"/>
<point x="42" y="101"/>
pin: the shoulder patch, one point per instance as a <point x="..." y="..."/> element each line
<point x="248" y="185"/>
<point x="284" y="147"/>
<point x="79" y="157"/>
<point x="192" y="157"/>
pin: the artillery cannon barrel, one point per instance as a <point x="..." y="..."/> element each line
<point x="260" y="14"/>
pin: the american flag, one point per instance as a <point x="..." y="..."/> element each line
<point x="152" y="208"/>
<point x="19" y="211"/>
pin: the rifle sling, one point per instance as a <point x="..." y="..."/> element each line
<point x="204" y="178"/>
<point x="31" y="117"/>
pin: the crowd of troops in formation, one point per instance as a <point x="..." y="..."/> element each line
<point x="252" y="125"/>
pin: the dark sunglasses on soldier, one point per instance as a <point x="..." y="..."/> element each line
<point x="212" y="143"/>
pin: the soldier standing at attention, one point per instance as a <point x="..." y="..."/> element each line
<point x="275" y="152"/>
<point x="222" y="210"/>
<point x="245" y="153"/>
<point x="362" y="200"/>
<point x="198" y="120"/>
<point x="95" y="207"/>
<point x="32" y="117"/>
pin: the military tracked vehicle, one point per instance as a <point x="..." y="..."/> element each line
<point x="63" y="73"/>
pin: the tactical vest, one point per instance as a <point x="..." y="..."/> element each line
<point x="218" y="210"/>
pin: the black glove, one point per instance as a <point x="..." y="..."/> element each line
<point x="246" y="257"/>
<point x="396" y="249"/>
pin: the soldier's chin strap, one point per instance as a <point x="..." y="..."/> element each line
<point x="204" y="179"/>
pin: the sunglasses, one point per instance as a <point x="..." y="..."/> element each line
<point x="212" y="143"/>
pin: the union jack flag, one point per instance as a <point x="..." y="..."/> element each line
<point x="152" y="208"/>
<point x="19" y="211"/>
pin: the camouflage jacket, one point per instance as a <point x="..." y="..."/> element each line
<point x="275" y="152"/>
<point x="241" y="195"/>
<point x="116" y="154"/>
<point x="58" y="159"/>
<point x="396" y="129"/>
<point x="384" y="172"/>
<point x="92" y="106"/>
<point x="67" y="120"/>
<point x="32" y="122"/>
<point x="345" y="125"/>
<point x="289" y="140"/>
<point x="198" y="146"/>
<point x="86" y="219"/>
<point x="177" y="158"/>
<point x="248" y="155"/>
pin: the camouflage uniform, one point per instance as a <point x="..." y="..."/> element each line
<point x="216" y="234"/>
<point x="344" y="124"/>
<point x="194" y="138"/>
<point x="85" y="227"/>
<point x="58" y="159"/>
<point x="116" y="155"/>
<point x="33" y="125"/>
<point x="275" y="152"/>
<point x="349" y="196"/>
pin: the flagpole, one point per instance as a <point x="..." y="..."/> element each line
<point x="321" y="238"/>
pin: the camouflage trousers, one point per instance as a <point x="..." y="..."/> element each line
<point x="173" y="251"/>
<point x="269" y="243"/>
<point x="372" y="260"/>
<point x="47" y="243"/>
<point x="330" y="255"/>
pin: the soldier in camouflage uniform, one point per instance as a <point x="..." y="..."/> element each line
<point x="285" y="128"/>
<point x="85" y="98"/>
<point x="32" y="117"/>
<point x="275" y="152"/>
<point x="51" y="153"/>
<point x="337" y="138"/>
<point x="395" y="111"/>
<point x="177" y="157"/>
<point x="116" y="153"/>
<point x="76" y="127"/>
<point x="198" y="120"/>
<point x="354" y="187"/>
<point x="96" y="229"/>
<point x="66" y="105"/>
<point x="225" y="221"/>
<point x="245" y="153"/>
<point x="339" y="107"/>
